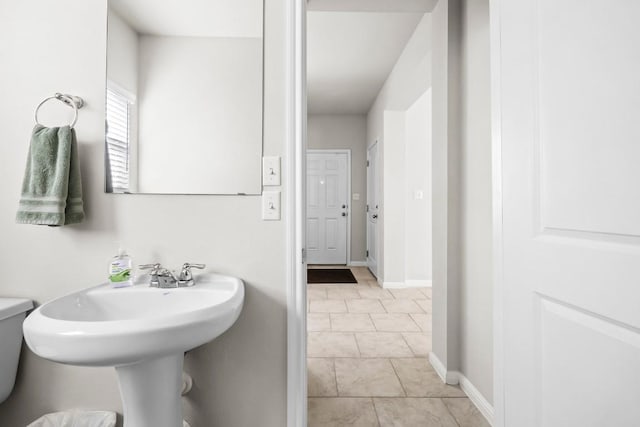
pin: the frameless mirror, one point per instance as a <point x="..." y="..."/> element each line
<point x="184" y="96"/>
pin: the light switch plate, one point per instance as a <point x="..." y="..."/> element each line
<point x="271" y="170"/>
<point x="271" y="205"/>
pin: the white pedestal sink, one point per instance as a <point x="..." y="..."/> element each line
<point x="141" y="331"/>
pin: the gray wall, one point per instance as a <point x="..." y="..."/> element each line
<point x="240" y="379"/>
<point x="476" y="275"/>
<point x="462" y="192"/>
<point x="347" y="131"/>
<point x="445" y="190"/>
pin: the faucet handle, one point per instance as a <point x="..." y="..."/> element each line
<point x="185" y="274"/>
<point x="155" y="267"/>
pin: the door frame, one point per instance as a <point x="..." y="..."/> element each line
<point x="346" y="151"/>
<point x="496" y="194"/>
<point x="295" y="108"/>
<point x="377" y="190"/>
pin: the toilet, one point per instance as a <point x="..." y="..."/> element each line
<point x="12" y="314"/>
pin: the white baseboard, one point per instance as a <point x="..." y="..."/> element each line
<point x="485" y="408"/>
<point x="449" y="377"/>
<point x="455" y="377"/>
<point x="407" y="284"/>
<point x="357" y="263"/>
<point x="418" y="283"/>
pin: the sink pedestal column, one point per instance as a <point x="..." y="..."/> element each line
<point x="151" y="392"/>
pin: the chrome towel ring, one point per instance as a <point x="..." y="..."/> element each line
<point x="74" y="102"/>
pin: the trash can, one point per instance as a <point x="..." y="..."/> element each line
<point x="76" y="419"/>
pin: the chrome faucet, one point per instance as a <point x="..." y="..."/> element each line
<point x="186" y="278"/>
<point x="164" y="278"/>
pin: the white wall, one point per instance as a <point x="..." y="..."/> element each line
<point x="122" y="58"/>
<point x="476" y="275"/>
<point x="417" y="160"/>
<point x="200" y="115"/>
<point x="409" y="79"/>
<point x="346" y="131"/>
<point x="240" y="379"/>
<point x="386" y="122"/>
<point x="392" y="214"/>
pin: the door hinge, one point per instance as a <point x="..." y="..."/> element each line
<point x="304" y="255"/>
<point x="367" y="253"/>
<point x="367" y="208"/>
<point x="367" y="163"/>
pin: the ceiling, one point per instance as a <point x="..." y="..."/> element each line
<point x="350" y="55"/>
<point x="193" y="18"/>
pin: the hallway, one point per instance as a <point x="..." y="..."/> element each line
<point x="367" y="359"/>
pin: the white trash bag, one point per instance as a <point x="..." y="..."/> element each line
<point x="76" y="419"/>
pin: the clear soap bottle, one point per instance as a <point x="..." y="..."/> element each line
<point x="120" y="270"/>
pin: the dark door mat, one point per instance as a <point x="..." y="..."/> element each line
<point x="330" y="275"/>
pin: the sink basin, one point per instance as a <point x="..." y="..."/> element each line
<point x="141" y="331"/>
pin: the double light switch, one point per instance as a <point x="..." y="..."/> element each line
<point x="271" y="177"/>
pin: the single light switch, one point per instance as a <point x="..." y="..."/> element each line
<point x="271" y="205"/>
<point x="356" y="196"/>
<point x="271" y="170"/>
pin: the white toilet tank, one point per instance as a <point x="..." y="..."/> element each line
<point x="12" y="314"/>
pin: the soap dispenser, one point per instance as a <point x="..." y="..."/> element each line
<point x="120" y="270"/>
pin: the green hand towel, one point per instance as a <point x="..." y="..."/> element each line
<point x="52" y="189"/>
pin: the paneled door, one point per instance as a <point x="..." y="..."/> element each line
<point x="327" y="207"/>
<point x="372" y="208"/>
<point x="566" y="78"/>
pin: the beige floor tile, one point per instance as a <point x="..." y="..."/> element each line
<point x="374" y="293"/>
<point x="342" y="292"/>
<point x="401" y="306"/>
<point x="332" y="344"/>
<point x="414" y="412"/>
<point x="420" y="380"/>
<point x="362" y="273"/>
<point x="365" y="306"/>
<point x="316" y="293"/>
<point x="321" y="378"/>
<point x="425" y="305"/>
<point x="318" y="322"/>
<point x="351" y="322"/>
<point x="367" y="377"/>
<point x="465" y="412"/>
<point x="327" y="306"/>
<point x="423" y="320"/>
<point x="341" y="412"/>
<point x="407" y="293"/>
<point x="419" y="342"/>
<point x="382" y="344"/>
<point x="427" y="292"/>
<point x="393" y="322"/>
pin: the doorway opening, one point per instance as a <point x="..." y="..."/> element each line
<point x="368" y="74"/>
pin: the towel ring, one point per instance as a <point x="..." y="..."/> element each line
<point x="74" y="102"/>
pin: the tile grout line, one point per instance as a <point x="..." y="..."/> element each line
<point x="375" y="410"/>
<point x="399" y="379"/>
<point x="335" y="376"/>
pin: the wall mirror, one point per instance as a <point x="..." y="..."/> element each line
<point x="184" y="97"/>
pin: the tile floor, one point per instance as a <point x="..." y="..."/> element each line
<point x="367" y="359"/>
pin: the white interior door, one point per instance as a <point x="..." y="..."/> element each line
<point x="327" y="207"/>
<point x="568" y="92"/>
<point x="372" y="208"/>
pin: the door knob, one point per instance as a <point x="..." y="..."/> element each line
<point x="374" y="216"/>
<point x="344" y="206"/>
<point x="344" y="214"/>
